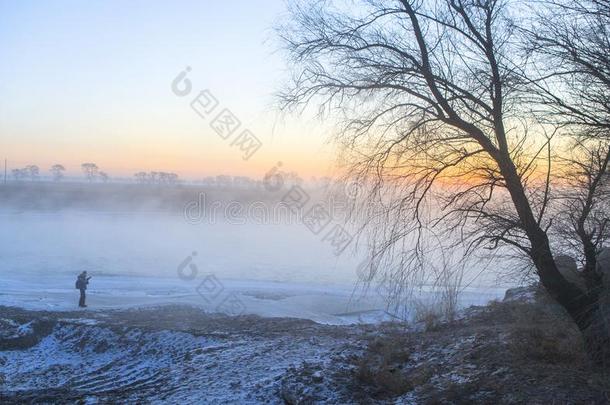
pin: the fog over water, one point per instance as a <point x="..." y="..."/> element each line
<point x="144" y="250"/>
<point x="153" y="244"/>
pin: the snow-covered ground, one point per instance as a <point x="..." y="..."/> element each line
<point x="168" y="355"/>
<point x="143" y="337"/>
<point x="147" y="259"/>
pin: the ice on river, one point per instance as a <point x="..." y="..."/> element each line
<point x="149" y="260"/>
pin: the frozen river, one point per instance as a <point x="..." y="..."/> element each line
<point x="154" y="259"/>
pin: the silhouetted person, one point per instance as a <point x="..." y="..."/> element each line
<point x="81" y="284"/>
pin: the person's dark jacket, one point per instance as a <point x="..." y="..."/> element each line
<point x="81" y="282"/>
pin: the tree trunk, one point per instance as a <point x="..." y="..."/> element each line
<point x="590" y="310"/>
<point x="597" y="334"/>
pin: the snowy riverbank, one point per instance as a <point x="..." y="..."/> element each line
<point x="328" y="304"/>
<point x="176" y="354"/>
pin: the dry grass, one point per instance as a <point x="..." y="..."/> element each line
<point x="381" y="367"/>
<point x="430" y="316"/>
<point x="437" y="312"/>
<point x="507" y="352"/>
<point x="547" y="343"/>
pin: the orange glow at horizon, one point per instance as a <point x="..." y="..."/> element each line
<point x="191" y="158"/>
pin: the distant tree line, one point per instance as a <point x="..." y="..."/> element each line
<point x="156" y="178"/>
<point x="226" y="181"/>
<point x="229" y="181"/>
<point x="92" y="173"/>
<point x="30" y="172"/>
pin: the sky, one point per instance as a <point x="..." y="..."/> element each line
<point x="92" y="82"/>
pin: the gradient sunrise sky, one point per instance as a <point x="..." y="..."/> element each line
<point x="90" y="81"/>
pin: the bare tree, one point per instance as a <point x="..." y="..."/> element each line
<point x="141" y="177"/>
<point x="573" y="44"/>
<point x="103" y="176"/>
<point x="19" y="174"/>
<point x="57" y="172"/>
<point x="571" y="40"/>
<point x="172" y="178"/>
<point x="90" y="170"/>
<point x="435" y="101"/>
<point x="32" y="171"/>
<point x="582" y="205"/>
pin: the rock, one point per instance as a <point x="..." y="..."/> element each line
<point x="522" y="294"/>
<point x="603" y="266"/>
<point x="25" y="336"/>
<point x="536" y="296"/>
<point x="568" y="268"/>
